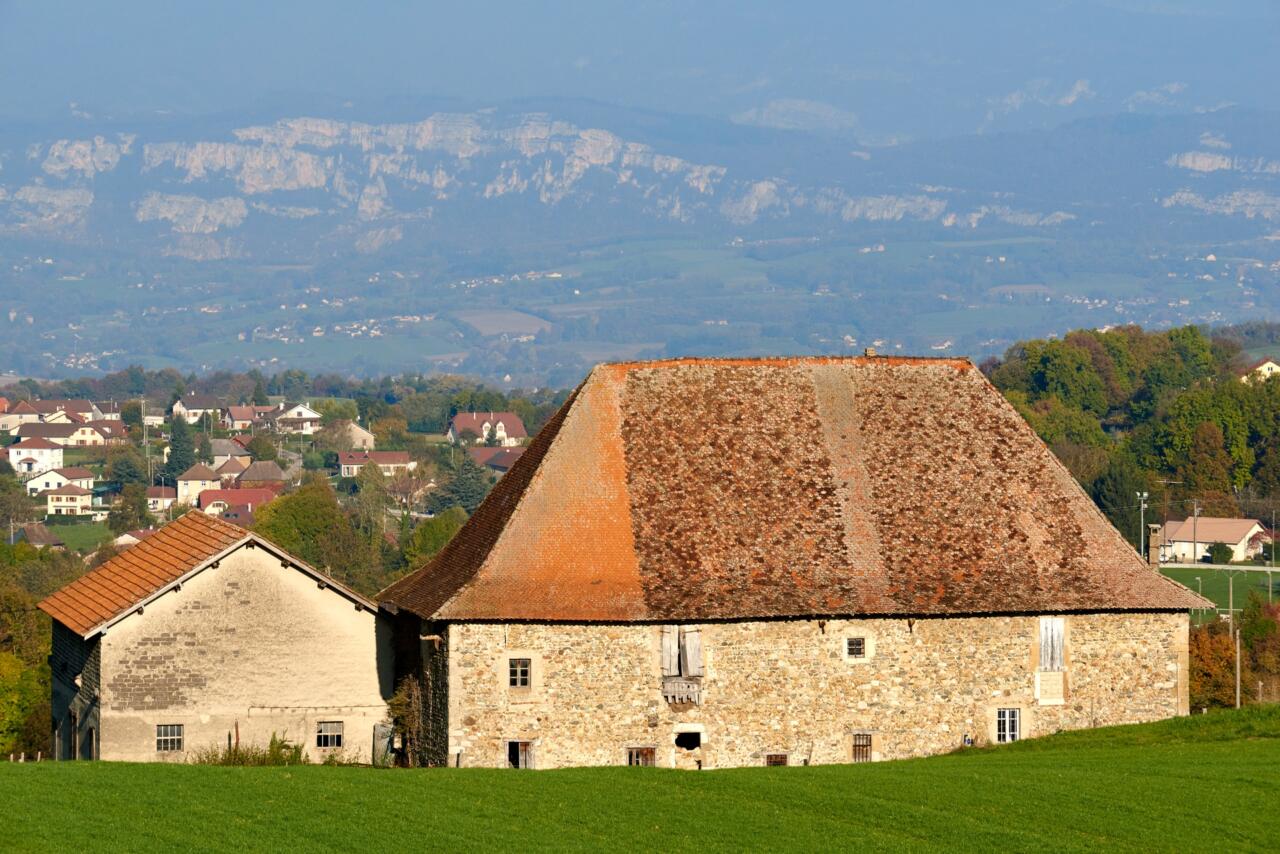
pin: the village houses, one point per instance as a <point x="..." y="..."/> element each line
<point x="294" y="418"/>
<point x="57" y="478"/>
<point x="1261" y="370"/>
<point x="202" y="633"/>
<point x="767" y="595"/>
<point x="505" y="428"/>
<point x="68" y="500"/>
<point x="198" y="408"/>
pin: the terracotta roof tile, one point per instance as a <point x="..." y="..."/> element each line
<point x="743" y="488"/>
<point x="475" y="421"/>
<point x="132" y="576"/>
<point x="199" y="471"/>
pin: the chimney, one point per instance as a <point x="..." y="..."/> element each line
<point x="870" y="351"/>
<point x="1153" y="546"/>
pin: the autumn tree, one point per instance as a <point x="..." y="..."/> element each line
<point x="262" y="448"/>
<point x="130" y="512"/>
<point x="432" y="535"/>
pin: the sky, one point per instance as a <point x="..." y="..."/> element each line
<point x="881" y="71"/>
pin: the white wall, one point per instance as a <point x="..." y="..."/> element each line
<point x="250" y="643"/>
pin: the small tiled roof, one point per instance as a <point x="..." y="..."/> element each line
<point x="200" y="401"/>
<point x="227" y="448"/>
<point x="378" y="458"/>
<point x="74" y="473"/>
<point x="68" y="489"/>
<point x="475" y="421"/>
<point x="24" y="407"/>
<point x="199" y="471"/>
<point x="1210" y="529"/>
<point x="62" y="405"/>
<point x="36" y="534"/>
<point x="499" y="459"/>
<point x="36" y="443"/>
<point x="233" y="467"/>
<point x="761" y="488"/>
<point x="133" y="577"/>
<point x="55" y="430"/>
<point x="161" y="492"/>
<point x="262" y="470"/>
<point x="236" y="497"/>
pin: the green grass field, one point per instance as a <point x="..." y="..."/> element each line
<point x="1172" y="786"/>
<point x="1215" y="584"/>
<point x="82" y="537"/>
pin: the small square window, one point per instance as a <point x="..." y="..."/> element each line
<point x="1008" y="725"/>
<point x="518" y="671"/>
<point x="774" y="759"/>
<point x="646" y="756"/>
<point x="855" y="647"/>
<point x="168" y="738"/>
<point x="329" y="734"/>
<point x="862" y="747"/>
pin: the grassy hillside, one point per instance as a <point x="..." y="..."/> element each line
<point x="1176" y="785"/>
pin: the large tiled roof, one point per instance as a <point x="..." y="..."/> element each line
<point x="1209" y="529"/>
<point x="133" y="576"/>
<point x="475" y="421"/>
<point x="756" y="488"/>
<point x="199" y="471"/>
<point x="262" y="470"/>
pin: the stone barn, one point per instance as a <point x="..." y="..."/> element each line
<point x="205" y="635"/>
<point x="715" y="563"/>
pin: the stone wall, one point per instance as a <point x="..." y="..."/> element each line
<point x="787" y="686"/>
<point x="249" y="645"/>
<point x="75" y="670"/>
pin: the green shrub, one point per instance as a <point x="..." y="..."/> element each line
<point x="279" y="751"/>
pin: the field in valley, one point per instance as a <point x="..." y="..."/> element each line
<point x="1176" y="785"/>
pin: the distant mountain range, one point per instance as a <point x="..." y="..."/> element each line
<point x="530" y="183"/>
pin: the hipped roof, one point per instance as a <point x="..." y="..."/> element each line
<point x="756" y="488"/>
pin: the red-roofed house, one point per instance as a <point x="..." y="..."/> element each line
<point x="506" y="427"/>
<point x="69" y="500"/>
<point x="498" y="459"/>
<point x="216" y="501"/>
<point x="18" y="414"/>
<point x="161" y="498"/>
<point x="1261" y="370"/>
<point x="391" y="462"/>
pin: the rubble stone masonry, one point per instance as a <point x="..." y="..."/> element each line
<point x="787" y="686"/>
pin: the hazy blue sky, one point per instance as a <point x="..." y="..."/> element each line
<point x="920" y="67"/>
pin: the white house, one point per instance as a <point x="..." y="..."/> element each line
<point x="196" y="407"/>
<point x="69" y="500"/>
<point x="58" y="478"/>
<point x="160" y="498"/>
<point x="1189" y="541"/>
<point x="295" y="418"/>
<point x="1261" y="370"/>
<point x="390" y="462"/>
<point x="506" y="428"/>
<point x="33" y="456"/>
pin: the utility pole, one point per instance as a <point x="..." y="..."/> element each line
<point x="1195" y="533"/>
<point x="1237" y="668"/>
<point x="1142" y="522"/>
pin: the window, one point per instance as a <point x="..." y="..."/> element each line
<point x="862" y="747"/>
<point x="855" y="647"/>
<point x="646" y="756"/>
<point x="1052" y="642"/>
<point x="775" y="759"/>
<point x="1008" y="725"/>
<point x="168" y="738"/>
<point x="329" y="734"/>
<point x="518" y="670"/>
<point x="688" y="740"/>
<point x="519" y="754"/>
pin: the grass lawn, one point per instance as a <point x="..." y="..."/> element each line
<point x="82" y="536"/>
<point x="1215" y="583"/>
<point x="1171" y="786"/>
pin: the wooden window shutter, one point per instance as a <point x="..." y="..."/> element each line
<point x="691" y="651"/>
<point x="670" y="651"/>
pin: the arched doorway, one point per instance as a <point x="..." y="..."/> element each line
<point x="89" y="744"/>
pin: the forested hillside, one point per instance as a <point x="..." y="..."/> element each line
<point x="1162" y="412"/>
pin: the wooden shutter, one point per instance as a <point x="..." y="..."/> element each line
<point x="670" y="651"/>
<point x="1052" y="640"/>
<point x="690" y="651"/>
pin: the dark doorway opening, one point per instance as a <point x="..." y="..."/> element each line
<point x="688" y="740"/>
